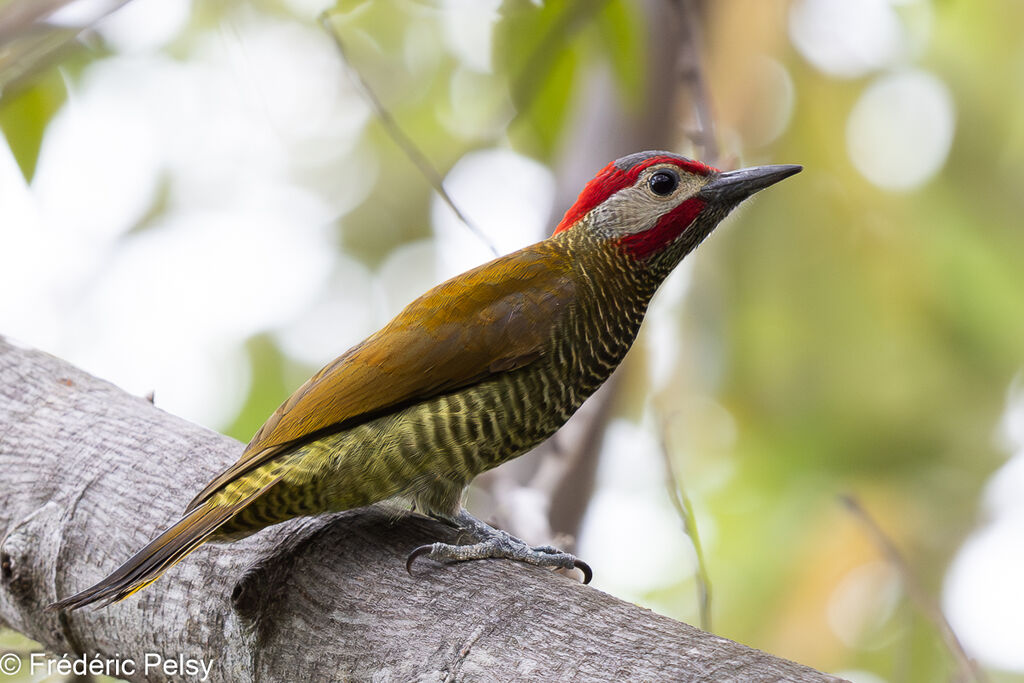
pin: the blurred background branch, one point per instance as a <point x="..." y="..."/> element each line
<point x="967" y="669"/>
<point x="684" y="508"/>
<point x="692" y="74"/>
<point x="408" y="146"/>
<point x="31" y="42"/>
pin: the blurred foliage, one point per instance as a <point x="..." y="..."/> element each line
<point x="868" y="339"/>
<point x="538" y="61"/>
<point x="843" y="337"/>
<point x="544" y="53"/>
<point x="23" y="119"/>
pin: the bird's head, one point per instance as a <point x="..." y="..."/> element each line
<point x="657" y="206"/>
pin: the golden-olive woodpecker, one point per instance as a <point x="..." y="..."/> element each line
<point x="477" y="371"/>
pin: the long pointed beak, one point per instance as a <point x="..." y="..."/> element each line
<point x="733" y="187"/>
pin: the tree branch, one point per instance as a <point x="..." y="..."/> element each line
<point x="90" y="473"/>
<point x="29" y="45"/>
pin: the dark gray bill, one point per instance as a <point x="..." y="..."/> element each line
<point x="735" y="186"/>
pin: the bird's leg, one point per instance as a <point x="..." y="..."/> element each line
<point x="495" y="543"/>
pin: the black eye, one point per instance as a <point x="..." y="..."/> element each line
<point x="663" y="183"/>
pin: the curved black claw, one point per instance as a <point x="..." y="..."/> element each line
<point x="422" y="550"/>
<point x="588" y="574"/>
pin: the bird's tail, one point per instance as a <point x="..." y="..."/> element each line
<point x="164" y="551"/>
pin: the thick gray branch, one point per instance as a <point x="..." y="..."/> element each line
<point x="90" y="473"/>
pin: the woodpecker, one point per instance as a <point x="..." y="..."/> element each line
<point x="475" y="372"/>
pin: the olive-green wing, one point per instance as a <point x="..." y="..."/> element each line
<point x="490" y="320"/>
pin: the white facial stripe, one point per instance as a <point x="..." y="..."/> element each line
<point x="636" y="208"/>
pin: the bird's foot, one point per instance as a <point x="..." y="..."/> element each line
<point x="494" y="543"/>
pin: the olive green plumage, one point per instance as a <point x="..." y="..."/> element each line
<point x="429" y="450"/>
<point x="477" y="371"/>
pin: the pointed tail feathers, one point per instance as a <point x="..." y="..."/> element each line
<point x="146" y="566"/>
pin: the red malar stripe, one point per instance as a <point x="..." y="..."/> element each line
<point x="671" y="225"/>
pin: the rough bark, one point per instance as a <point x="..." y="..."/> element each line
<point x="89" y="473"/>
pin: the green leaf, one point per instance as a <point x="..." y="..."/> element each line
<point x="534" y="50"/>
<point x="537" y="130"/>
<point x="267" y="390"/>
<point x="621" y="30"/>
<point x="24" y="117"/>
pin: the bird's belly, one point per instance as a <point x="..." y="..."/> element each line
<point x="444" y="441"/>
<point x="427" y="452"/>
